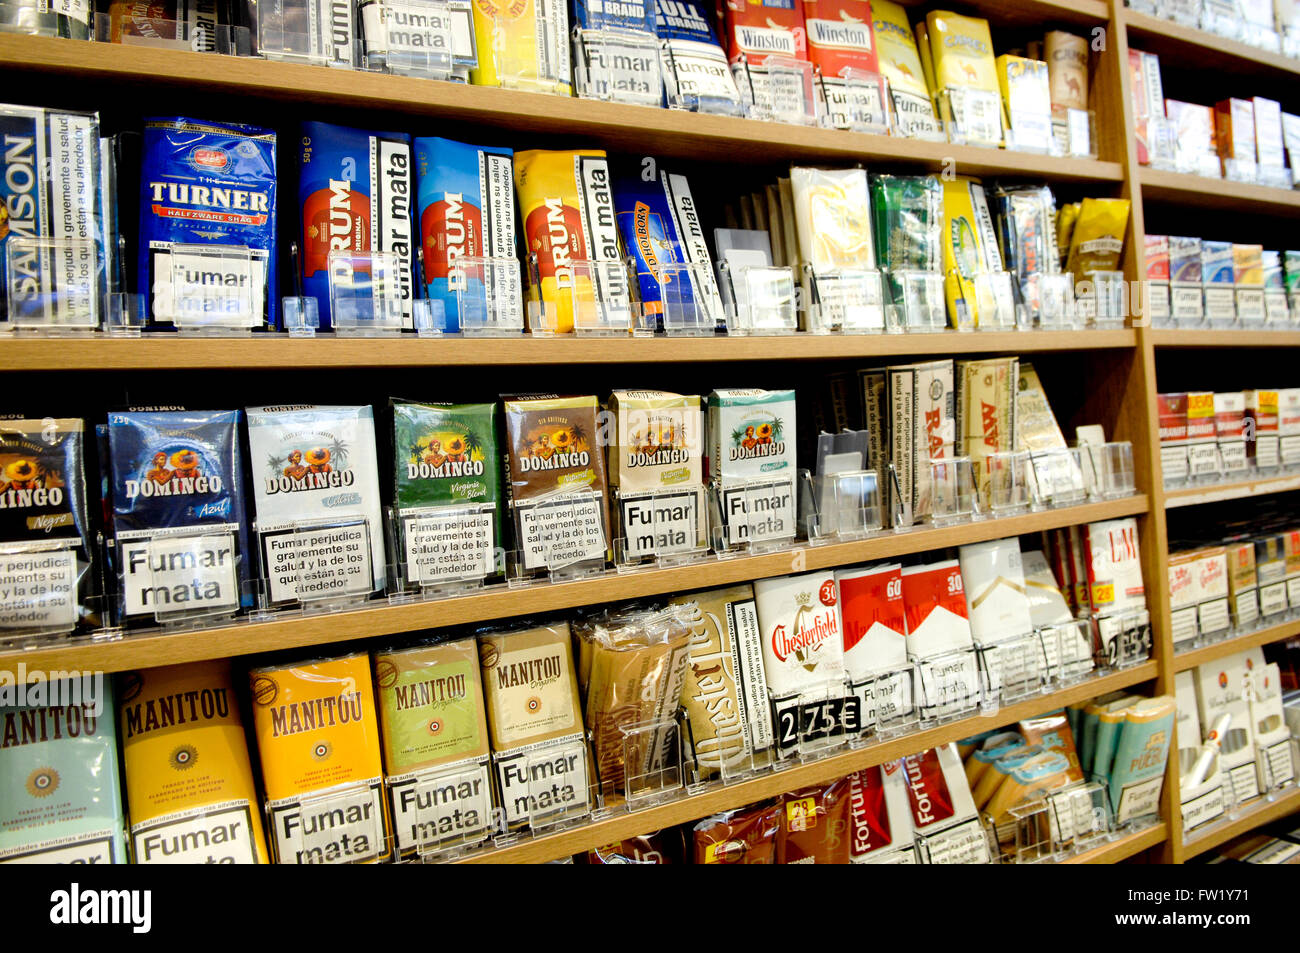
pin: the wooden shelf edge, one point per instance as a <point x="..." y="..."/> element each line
<point x="1163" y="185"/>
<point x="822" y="771"/>
<point x="1249" y="819"/>
<point x="1196" y="495"/>
<point x="1183" y="661"/>
<point x="274" y="351"/>
<point x="151" y="648"/>
<point x="1200" y="41"/>
<point x="1225" y="337"/>
<point x="1124" y="847"/>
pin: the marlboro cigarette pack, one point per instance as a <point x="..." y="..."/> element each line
<point x="875" y="625"/>
<point x="935" y="605"/>
<point x="182" y="724"/>
<point x="803" y="648"/>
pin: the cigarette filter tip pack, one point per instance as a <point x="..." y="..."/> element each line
<point x="189" y="781"/>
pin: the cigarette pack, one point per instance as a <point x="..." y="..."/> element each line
<point x="1184" y="259"/>
<point x="961" y="49"/>
<point x="1268" y="132"/>
<point x="875" y="624"/>
<point x="1067" y="69"/>
<point x="1248" y="264"/>
<point x="523" y="44"/>
<point x="1262" y="431"/>
<point x="1027" y="100"/>
<point x="696" y="72"/>
<point x="922" y="428"/>
<point x="1288" y="424"/>
<point x="1234" y="124"/>
<point x="1291" y="540"/>
<point x="840" y="37"/>
<point x="1114" y="567"/>
<point x="970" y="253"/>
<point x="900" y="63"/>
<point x="803" y="645"/>
<point x="994" y="585"/>
<point x="1137" y="773"/>
<point x="1187" y="721"/>
<point x="833" y="221"/>
<point x="1273" y="739"/>
<point x="880" y="818"/>
<point x="1148" y="100"/>
<point x="1230" y="430"/>
<point x="1221" y="690"/>
<point x="935" y="606"/>
<point x="1184" y="595"/>
<point x="1243" y="585"/>
<point x="944" y="815"/>
<point x="1270" y="573"/>
<point x="1047" y="605"/>
<point x="1193" y="125"/>
<point x="1212" y="590"/>
<point x="1172" y="412"/>
<point x="1202" y="445"/>
<point x="756" y="30"/>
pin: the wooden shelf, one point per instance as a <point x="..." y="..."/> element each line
<point x="266" y="351"/>
<point x="1124" y="847"/>
<point x="1250" y="818"/>
<point x="684" y="810"/>
<point x="152" y="647"/>
<point x="1196" y="495"/>
<point x="1207" y="193"/>
<point x="74" y="65"/>
<point x="1199" y="49"/>
<point x="1223" y="337"/>
<point x="1208" y="653"/>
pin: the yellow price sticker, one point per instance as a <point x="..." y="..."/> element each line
<point x="801" y="814"/>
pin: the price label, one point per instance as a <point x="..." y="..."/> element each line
<point x="757" y="512"/>
<point x="660" y="524"/>
<point x="1188" y="303"/>
<point x="978" y="114"/>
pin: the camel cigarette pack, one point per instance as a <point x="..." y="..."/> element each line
<point x="758" y="29"/>
<point x="51" y="190"/>
<point x="466" y="208"/>
<point x="696" y="72"/>
<point x="355" y="192"/>
<point x="189" y="782"/>
<point x="901" y="65"/>
<point x="60" y="800"/>
<point x="523" y="43"/>
<point x="318" y="743"/>
<point x="208" y="184"/>
<point x="447" y="498"/>
<point x="435" y="739"/>
<point x="316" y="495"/>
<point x="880" y="818"/>
<point x="179" y="512"/>
<point x="660" y="225"/>
<point x="965" y="75"/>
<point x="1067" y="69"/>
<point x="1027" y="100"/>
<point x="840" y="37"/>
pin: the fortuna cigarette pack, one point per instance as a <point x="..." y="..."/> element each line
<point x="901" y="65"/>
<point x="522" y="43"/>
<point x="880" y="818"/>
<point x="943" y="812"/>
<point x="189" y="782"/>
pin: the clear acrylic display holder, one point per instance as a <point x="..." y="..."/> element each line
<point x="542" y="66"/>
<point x="1220" y="303"/>
<point x="1291" y="42"/>
<point x="534" y="803"/>
<point x="1012" y="669"/>
<point x="1262" y="36"/>
<point x="1162" y="144"/>
<point x="304" y="567"/>
<point x="1031" y="131"/>
<point x="657" y="750"/>
<point x="1125" y="637"/>
<point x="888" y="702"/>
<point x="128" y="29"/>
<point x="815" y="721"/>
<point x="1057" y="478"/>
<point x="1276" y="760"/>
<point x="1276" y="177"/>
<point x="1189" y="156"/>
<point x="562" y="537"/>
<point x="692" y="305"/>
<point x="53" y="285"/>
<point x="214" y="289"/>
<point x="56" y="607"/>
<point x="753" y="516"/>
<point x="1055" y="307"/>
<point x="1108" y="470"/>
<point x="300" y="316"/>
<point x="339" y="825"/>
<point x="857" y="100"/>
<point x="781" y="91"/>
<point x="1075" y="135"/>
<point x="1223" y="19"/>
<point x="953" y="498"/>
<point x="1007" y="479"/>
<point x="846" y="300"/>
<point x="1277" y="311"/>
<point x="489" y="299"/>
<point x="1187" y="302"/>
<point x="977" y="116"/>
<point x="1102" y="299"/>
<point x="124" y="314"/>
<point x="443" y="550"/>
<point x="916" y="301"/>
<point x="1185" y="12"/>
<point x="837" y="507"/>
<point x="949" y="687"/>
<point x="701" y="81"/>
<point x="1158" y="305"/>
<point x="410" y="37"/>
<point x="1250" y="305"/>
<point x="599" y="296"/>
<point x="290" y="31"/>
<point x="1069" y="650"/>
<point x="191" y="575"/>
<point x="1240" y="170"/>
<point x="366" y="293"/>
<point x="660" y="528"/>
<point x="443" y="829"/>
<point x="1057" y="825"/>
<point x="1205" y="802"/>
<point x="617" y="65"/>
<point x="968" y="842"/>
<point x="758" y="300"/>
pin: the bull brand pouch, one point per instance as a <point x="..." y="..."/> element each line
<point x="354" y="190"/>
<point x="178" y="513"/>
<point x="45" y="541"/>
<point x="207" y="221"/>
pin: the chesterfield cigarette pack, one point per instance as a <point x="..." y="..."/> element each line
<point x="803" y="645"/>
<point x="435" y="743"/>
<point x="566" y="202"/>
<point x="354" y="192"/>
<point x="840" y="37"/>
<point x="466" y="208"/>
<point x="922" y="427"/>
<point x="60" y="797"/>
<point x="758" y="29"/>
<point x="317" y="732"/>
<point x="986" y="413"/>
<point x="880" y="818"/>
<point x="208" y="184"/>
<point x="696" y="72"/>
<point x="523" y="44"/>
<point x="725" y="694"/>
<point x="900" y="63"/>
<point x="970" y="253"/>
<point x="832" y="216"/>
<point x="51" y="190"/>
<point x="965" y="75"/>
<point x="189" y="782"/>
<point x="1067" y="69"/>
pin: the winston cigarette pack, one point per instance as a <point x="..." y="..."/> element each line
<point x="756" y="30"/>
<point x="840" y="37"/>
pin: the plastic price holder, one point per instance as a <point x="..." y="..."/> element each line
<point x="339" y="825"/>
<point x="967" y="312"/>
<point x="318" y="564"/>
<point x="660" y="527"/>
<point x="857" y="100"/>
<point x="697" y="78"/>
<point x="780" y="90"/>
<point x="1055" y="306"/>
<point x="952" y="491"/>
<point x="1274" y="757"/>
<point x="1162" y="144"/>
<point x="1241" y="170"/>
<point x="1110" y="467"/>
<point x="1205" y="802"/>
<point x="847" y="300"/>
<point x="548" y="787"/>
<point x="726" y="766"/>
<point x="140" y="29"/>
<point x="489" y="297"/>
<point x="948" y="686"/>
<point x="53" y="284"/>
<point x="1186" y="12"/>
<point x="300" y="315"/>
<point x="213" y="289"/>
<point x="561" y="536"/>
<point x="840" y="506"/>
<point x="369" y="294"/>
<point x="888" y="702"/>
<point x="1276" y="177"/>
<point x="1075" y="135"/>
<point x="654" y="764"/>
<point x="1102" y="298"/>
<point x="1005" y="483"/>
<point x="753" y="516"/>
<point x="966" y="842"/>
<point x="425" y="38"/>
<point x="812" y="722"/>
<point x="1031" y="131"/>
<point x="1158" y="304"/>
<point x="1125" y="637"/>
<point x="1277" y="312"/>
<point x="1013" y="668"/>
<point x="599" y="294"/>
<point x="1187" y="303"/>
<point x="758" y="300"/>
<point x="182" y="577"/>
<point x="124" y="314"/>
<point x="541" y="66"/>
<point x="38" y="589"/>
<point x="443" y="812"/>
<point x="1058" y="824"/>
<point x="1291" y="42"/>
<point x="318" y="32"/>
<point x="977" y="116"/>
<point x="1250" y="305"/>
<point x="692" y="303"/>
<point x="1068" y="650"/>
<point x="915" y="301"/>
<point x="446" y="548"/>
<point x="617" y="65"/>
<point x="1223" y="17"/>
<point x="1057" y="478"/>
